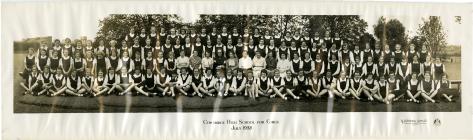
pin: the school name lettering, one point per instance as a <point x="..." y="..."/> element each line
<point x="240" y="124"/>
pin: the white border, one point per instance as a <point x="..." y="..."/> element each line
<point x="54" y="18"/>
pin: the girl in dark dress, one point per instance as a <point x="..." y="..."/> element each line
<point x="356" y="87"/>
<point x="371" y="87"/>
<point x="197" y="83"/>
<point x="411" y="53"/>
<point x="137" y="62"/>
<point x="204" y="38"/>
<point x="293" y="50"/>
<point x="428" y="88"/>
<point x="162" y="81"/>
<point x="79" y="64"/>
<point x="383" y="91"/>
<point x="135" y="49"/>
<point x="153" y="36"/>
<point x="239" y="48"/>
<point x="238" y="86"/>
<point x="413" y="88"/>
<point x="115" y="82"/>
<point x="130" y="37"/>
<point x="251" y="49"/>
<point x="198" y="47"/>
<point x="213" y="36"/>
<point x="88" y="82"/>
<point x="328" y="84"/>
<point x="415" y="65"/>
<point x="225" y="36"/>
<point x="59" y="82"/>
<point x="266" y="38"/>
<point x="147" y="48"/>
<point x="290" y="85"/>
<point x="177" y="48"/>
<point x="382" y="68"/>
<point x="74" y="85"/>
<point x="377" y="53"/>
<point x="31" y="84"/>
<point x="167" y="48"/>
<point x="100" y="86"/>
<point x="66" y="63"/>
<point x="296" y="64"/>
<point x="235" y="36"/>
<point x="277" y="85"/>
<point x="208" y="83"/>
<point x="261" y="48"/>
<point x="42" y="60"/>
<point x="135" y="83"/>
<point x="439" y="69"/>
<point x="28" y="62"/>
<point x="46" y="79"/>
<point x="282" y="50"/>
<point x="142" y="37"/>
<point x="398" y="54"/>
<point x="423" y="54"/>
<point x="445" y="88"/>
<point x="114" y="60"/>
<point x="256" y="37"/>
<point x="263" y="84"/>
<point x="344" y="54"/>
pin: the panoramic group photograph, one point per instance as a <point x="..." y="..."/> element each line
<point x="244" y="63"/>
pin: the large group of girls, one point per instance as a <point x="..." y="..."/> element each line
<point x="186" y="62"/>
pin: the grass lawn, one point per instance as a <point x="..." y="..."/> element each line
<point x="43" y="104"/>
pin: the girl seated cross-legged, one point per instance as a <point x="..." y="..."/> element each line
<point x="278" y="85"/>
<point x="74" y="85"/>
<point x="99" y="86"/>
<point x="59" y="82"/>
<point x="134" y="83"/>
<point x="31" y="85"/>
<point x="88" y="82"/>
<point x="314" y="85"/>
<point x="343" y="86"/>
<point x="112" y="81"/>
<point x="196" y="82"/>
<point x="413" y="88"/>
<point x="445" y="88"/>
<point x="172" y="84"/>
<point x="263" y="84"/>
<point x="328" y="84"/>
<point x="356" y="88"/>
<point x="289" y="85"/>
<point x="370" y="88"/>
<point x="208" y="83"/>
<point x="428" y="88"/>
<point x="184" y="81"/>
<point x="238" y="86"/>
<point x="149" y="82"/>
<point x="46" y="81"/>
<point x="162" y="81"/>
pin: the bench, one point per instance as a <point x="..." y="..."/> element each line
<point x="458" y="84"/>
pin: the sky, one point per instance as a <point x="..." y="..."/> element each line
<point x="411" y="23"/>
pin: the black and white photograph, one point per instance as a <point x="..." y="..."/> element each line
<point x="244" y="63"/>
<point x="213" y="69"/>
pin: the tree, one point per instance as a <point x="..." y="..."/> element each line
<point x="432" y="32"/>
<point x="391" y="32"/>
<point x="116" y="26"/>
<point x="349" y="27"/>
